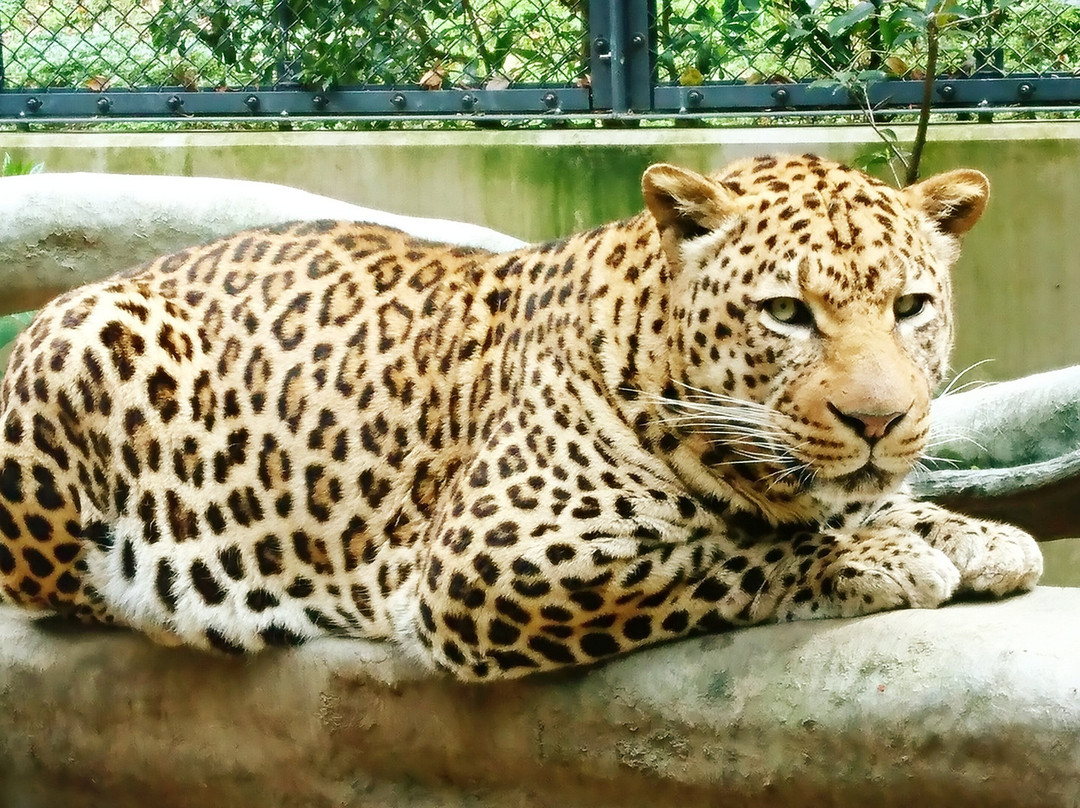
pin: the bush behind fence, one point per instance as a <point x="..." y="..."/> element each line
<point x="379" y="58"/>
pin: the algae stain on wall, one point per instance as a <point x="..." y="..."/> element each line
<point x="564" y="190"/>
<point x="1016" y="285"/>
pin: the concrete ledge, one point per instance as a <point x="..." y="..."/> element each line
<point x="64" y="230"/>
<point x="973" y="704"/>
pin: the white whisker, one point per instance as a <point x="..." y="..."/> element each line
<point x="952" y="389"/>
<point x="746" y="431"/>
<point x="945" y="439"/>
<point x="752" y="462"/>
<point x="949" y="461"/>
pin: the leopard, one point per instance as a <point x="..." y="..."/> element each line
<point x="696" y="419"/>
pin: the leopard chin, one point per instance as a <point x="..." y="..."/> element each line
<point x="870" y="478"/>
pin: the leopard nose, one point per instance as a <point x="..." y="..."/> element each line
<point x="870" y="426"/>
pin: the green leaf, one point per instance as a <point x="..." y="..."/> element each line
<point x="904" y="38"/>
<point x="909" y="16"/>
<point x="796" y="31"/>
<point x="501" y="50"/>
<point x="888" y="32"/>
<point x="958" y="11"/>
<point x="705" y="15"/>
<point x="838" y="25"/>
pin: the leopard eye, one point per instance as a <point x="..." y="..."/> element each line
<point x="788" y="310"/>
<point x="908" y="306"/>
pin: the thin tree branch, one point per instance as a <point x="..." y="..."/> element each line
<point x="474" y="22"/>
<point x="927" y="99"/>
<point x="897" y="155"/>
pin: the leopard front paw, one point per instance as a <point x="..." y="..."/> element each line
<point x="913" y="576"/>
<point x="997" y="559"/>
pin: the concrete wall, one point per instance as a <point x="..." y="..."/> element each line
<point x="1016" y="285"/>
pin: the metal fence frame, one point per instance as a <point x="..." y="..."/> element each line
<point x="622" y="42"/>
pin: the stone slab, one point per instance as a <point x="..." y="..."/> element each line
<point x="970" y="705"/>
<point x="1009" y="451"/>
<point x="58" y="231"/>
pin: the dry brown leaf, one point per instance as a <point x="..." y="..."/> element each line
<point x="98" y="84"/>
<point x="895" y="66"/>
<point x="433" y="78"/>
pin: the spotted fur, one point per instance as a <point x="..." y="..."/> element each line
<point x="696" y="418"/>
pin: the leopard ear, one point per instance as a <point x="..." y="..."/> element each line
<point x="684" y="201"/>
<point x="954" y="200"/>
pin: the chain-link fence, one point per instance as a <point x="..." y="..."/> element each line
<point x="793" y="40"/>
<point x="211" y="44"/>
<point x="379" y="58"/>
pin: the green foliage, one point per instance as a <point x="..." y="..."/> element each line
<point x="12" y="167"/>
<point x="888" y="157"/>
<point x="470" y="43"/>
<point x="323" y="43"/>
<point x="236" y="35"/>
<point x="91" y="44"/>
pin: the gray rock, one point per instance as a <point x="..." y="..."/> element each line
<point x="63" y="230"/>
<point x="1010" y="451"/>
<point x="1004" y="437"/>
<point x="973" y="704"/>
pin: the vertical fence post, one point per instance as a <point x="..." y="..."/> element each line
<point x="622" y="44"/>
<point x="286" y="67"/>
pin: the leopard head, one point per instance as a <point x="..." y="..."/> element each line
<point x="810" y="320"/>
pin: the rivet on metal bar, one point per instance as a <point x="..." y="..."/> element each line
<point x="320" y="101"/>
<point x="33" y="104"/>
<point x="468" y="101"/>
<point x="551" y="101"/>
<point x="252" y="103"/>
<point x="694" y="98"/>
<point x="104" y="105"/>
<point x="947" y="91"/>
<point x="175" y="103"/>
<point x="781" y="97"/>
<point x="603" y="49"/>
<point x="1025" y="91"/>
<point x="398" y="100"/>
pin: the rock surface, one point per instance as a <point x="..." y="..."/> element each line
<point x="1006" y="437"/>
<point x="63" y="230"/>
<point x="1010" y="451"/>
<point x="973" y="704"/>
